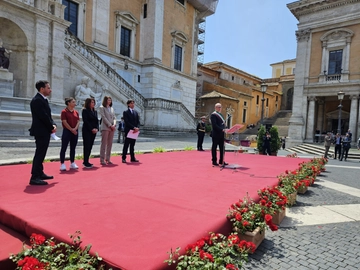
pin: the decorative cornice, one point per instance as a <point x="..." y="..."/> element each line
<point x="303" y="7"/>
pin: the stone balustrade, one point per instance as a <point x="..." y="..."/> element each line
<point x="123" y="86"/>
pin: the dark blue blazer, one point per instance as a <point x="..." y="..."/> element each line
<point x="42" y="122"/>
<point x="131" y="120"/>
<point x="218" y="126"/>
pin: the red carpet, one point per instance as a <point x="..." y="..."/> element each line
<point x="134" y="213"/>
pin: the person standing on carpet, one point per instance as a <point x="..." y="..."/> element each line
<point x="132" y="122"/>
<point x="218" y="135"/>
<point x="41" y="128"/>
<point x="200" y="128"/>
<point x="70" y="122"/>
<point x="89" y="129"/>
<point x="108" y="127"/>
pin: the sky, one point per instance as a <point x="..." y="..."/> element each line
<point x="251" y="34"/>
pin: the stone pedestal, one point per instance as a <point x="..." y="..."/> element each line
<point x="6" y="83"/>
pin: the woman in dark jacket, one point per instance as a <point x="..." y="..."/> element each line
<point x="89" y="129"/>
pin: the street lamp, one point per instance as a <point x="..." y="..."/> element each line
<point x="341" y="95"/>
<point x="263" y="90"/>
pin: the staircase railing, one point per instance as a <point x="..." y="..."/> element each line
<point x="160" y="103"/>
<point x="123" y="86"/>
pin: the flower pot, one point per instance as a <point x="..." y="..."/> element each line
<point x="302" y="189"/>
<point x="256" y="236"/>
<point x="278" y="217"/>
<point x="291" y="199"/>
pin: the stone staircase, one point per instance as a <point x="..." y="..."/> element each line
<point x="280" y="120"/>
<point x="319" y="149"/>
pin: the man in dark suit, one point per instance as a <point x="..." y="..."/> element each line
<point x="132" y="122"/>
<point x="218" y="135"/>
<point x="41" y="128"/>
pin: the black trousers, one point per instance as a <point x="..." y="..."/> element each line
<point x="200" y="140"/>
<point x="42" y="144"/>
<point x="337" y="150"/>
<point x="88" y="141"/>
<point x="215" y="143"/>
<point x="129" y="142"/>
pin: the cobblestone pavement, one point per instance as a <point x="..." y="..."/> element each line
<point x="320" y="246"/>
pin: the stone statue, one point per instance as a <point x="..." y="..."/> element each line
<point x="82" y="92"/>
<point x="4" y="61"/>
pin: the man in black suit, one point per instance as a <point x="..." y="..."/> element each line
<point x="41" y="128"/>
<point x="132" y="122"/>
<point x="218" y="135"/>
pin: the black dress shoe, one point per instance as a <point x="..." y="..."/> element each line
<point x="46" y="177"/>
<point x="37" y="182"/>
<point x="215" y="164"/>
<point x="123" y="161"/>
<point x="134" y="160"/>
<point x="225" y="163"/>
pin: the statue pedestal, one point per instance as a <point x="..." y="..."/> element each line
<point x="6" y="83"/>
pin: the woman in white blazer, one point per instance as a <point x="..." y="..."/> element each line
<point x="108" y="127"/>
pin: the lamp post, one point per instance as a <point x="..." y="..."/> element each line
<point x="341" y="95"/>
<point x="263" y="90"/>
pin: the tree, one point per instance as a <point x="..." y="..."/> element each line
<point x="260" y="138"/>
<point x="275" y="142"/>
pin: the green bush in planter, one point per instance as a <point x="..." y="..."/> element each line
<point x="260" y="138"/>
<point x="275" y="143"/>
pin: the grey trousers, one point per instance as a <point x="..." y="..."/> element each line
<point x="107" y="137"/>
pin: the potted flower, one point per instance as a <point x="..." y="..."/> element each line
<point x="250" y="220"/>
<point x="260" y="139"/>
<point x="274" y="203"/>
<point x="275" y="142"/>
<point x="213" y="252"/>
<point x="302" y="186"/>
<point x="47" y="254"/>
<point x="287" y="185"/>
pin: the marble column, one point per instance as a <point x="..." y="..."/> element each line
<point x="353" y="115"/>
<point x="310" y="120"/>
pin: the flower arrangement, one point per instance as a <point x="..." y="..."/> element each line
<point x="246" y="216"/>
<point x="293" y="155"/>
<point x="272" y="199"/>
<point x="215" y="251"/>
<point x="46" y="254"/>
<point x="302" y="186"/>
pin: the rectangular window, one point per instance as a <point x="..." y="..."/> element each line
<point x="177" y="57"/>
<point x="232" y="78"/>
<point x="145" y="11"/>
<point x="245" y="103"/>
<point x="335" y="60"/>
<point x="125" y="40"/>
<point x="71" y="15"/>
<point x="257" y="100"/>
<point x="267" y="102"/>
<point x="276" y="98"/>
<point x="244" y="116"/>
<point x="181" y="2"/>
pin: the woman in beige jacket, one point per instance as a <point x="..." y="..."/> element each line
<point x="108" y="127"/>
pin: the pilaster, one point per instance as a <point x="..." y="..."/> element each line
<point x="353" y="115"/>
<point x="296" y="122"/>
<point x="310" y="120"/>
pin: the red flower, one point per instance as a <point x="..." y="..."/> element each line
<point x="238" y="217"/>
<point x="205" y="255"/>
<point x="231" y="267"/>
<point x="37" y="239"/>
<point x="234" y="239"/>
<point x="268" y="217"/>
<point x="245" y="223"/>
